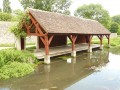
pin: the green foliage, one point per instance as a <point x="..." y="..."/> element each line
<point x="17" y="14"/>
<point x="97" y="41"/>
<point x="6" y="45"/>
<point x="0" y="10"/>
<point x="11" y="55"/>
<point x="14" y="63"/>
<point x="31" y="49"/>
<point x="95" y="12"/>
<point x="116" y="19"/>
<point x="6" y="6"/>
<point x="114" y="42"/>
<point x="15" y="69"/>
<point x="114" y="27"/>
<point x="19" y="29"/>
<point x="118" y="30"/>
<point x="5" y="16"/>
<point x="61" y="6"/>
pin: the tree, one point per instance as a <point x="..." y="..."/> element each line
<point x="114" y="27"/>
<point x="61" y="6"/>
<point x="17" y="14"/>
<point x="116" y="19"/>
<point x="94" y="11"/>
<point x="0" y="10"/>
<point x="6" y="6"/>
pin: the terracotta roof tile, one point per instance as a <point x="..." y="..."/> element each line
<point x="59" y="23"/>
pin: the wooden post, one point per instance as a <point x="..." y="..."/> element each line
<point x="89" y="43"/>
<point x="101" y="40"/>
<point x="109" y="40"/>
<point x="46" y="45"/>
<point x="108" y="37"/>
<point x="73" y="39"/>
<point x="46" y="41"/>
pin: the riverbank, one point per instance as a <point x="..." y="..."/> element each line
<point x="114" y="42"/>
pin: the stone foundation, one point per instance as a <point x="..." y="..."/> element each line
<point x="47" y="59"/>
<point x="73" y="54"/>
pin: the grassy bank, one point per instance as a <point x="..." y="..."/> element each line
<point x="12" y="45"/>
<point x="14" y="63"/>
<point x="114" y="42"/>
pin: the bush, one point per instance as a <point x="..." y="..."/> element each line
<point x="11" y="55"/>
<point x="114" y="27"/>
<point x="5" y="16"/>
<point x="15" y="69"/>
<point x="14" y="63"/>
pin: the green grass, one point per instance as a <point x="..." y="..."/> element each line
<point x="12" y="45"/>
<point x="6" y="45"/>
<point x="114" y="42"/>
<point x="31" y="49"/>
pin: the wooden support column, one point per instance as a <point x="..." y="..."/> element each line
<point x="46" y="41"/>
<point x="101" y="41"/>
<point x="108" y="37"/>
<point x="73" y="39"/>
<point x="89" y="43"/>
<point x="46" y="45"/>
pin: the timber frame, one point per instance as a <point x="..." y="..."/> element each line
<point x="46" y="37"/>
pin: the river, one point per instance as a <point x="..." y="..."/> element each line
<point x="99" y="70"/>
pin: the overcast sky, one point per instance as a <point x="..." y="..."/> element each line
<point x="113" y="6"/>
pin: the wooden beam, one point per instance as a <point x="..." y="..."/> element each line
<point x="27" y="28"/>
<point x="31" y="25"/>
<point x="36" y="24"/>
<point x="101" y="39"/>
<point x="46" y="45"/>
<point x="70" y="37"/>
<point x="36" y="34"/>
<point x="90" y="39"/>
<point x="46" y="41"/>
<point x="50" y="39"/>
<point x="108" y="37"/>
<point x="43" y="40"/>
<point x="73" y="39"/>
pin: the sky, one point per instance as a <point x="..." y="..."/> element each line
<point x="113" y="6"/>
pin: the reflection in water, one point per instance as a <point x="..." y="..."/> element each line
<point x="60" y="75"/>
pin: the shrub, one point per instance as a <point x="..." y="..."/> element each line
<point x="11" y="55"/>
<point x="19" y="30"/>
<point x="14" y="63"/>
<point x="5" y="16"/>
<point x="15" y="69"/>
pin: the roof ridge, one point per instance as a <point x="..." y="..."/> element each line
<point x="62" y="14"/>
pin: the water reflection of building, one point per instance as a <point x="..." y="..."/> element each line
<point x="60" y="75"/>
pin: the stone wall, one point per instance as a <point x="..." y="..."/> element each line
<point x="6" y="37"/>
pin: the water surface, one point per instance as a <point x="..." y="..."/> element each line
<point x="99" y="70"/>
